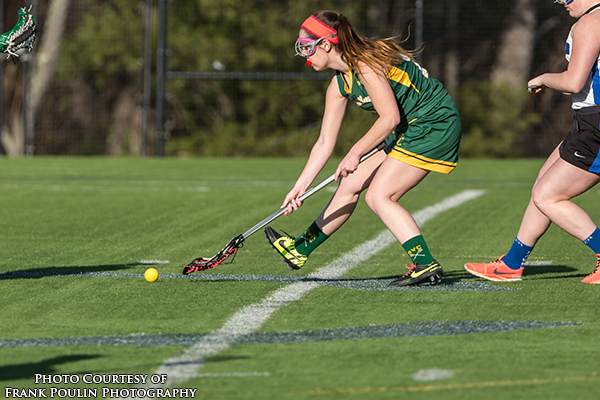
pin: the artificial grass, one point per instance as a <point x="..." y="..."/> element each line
<point x="78" y="215"/>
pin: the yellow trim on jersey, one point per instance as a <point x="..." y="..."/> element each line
<point x="347" y="86"/>
<point x="401" y="76"/>
<point x="395" y="74"/>
<point x="420" y="161"/>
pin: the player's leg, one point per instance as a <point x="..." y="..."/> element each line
<point x="552" y="196"/>
<point x="295" y="251"/>
<point x="558" y="182"/>
<point x="580" y="160"/>
<point x="430" y="143"/>
<point x="553" y="193"/>
<point x="344" y="201"/>
<point x="534" y="224"/>
<point x="394" y="179"/>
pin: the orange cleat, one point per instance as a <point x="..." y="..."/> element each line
<point x="498" y="271"/>
<point x="594" y="277"/>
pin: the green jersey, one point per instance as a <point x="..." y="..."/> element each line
<point x="416" y="93"/>
<point x="429" y="133"/>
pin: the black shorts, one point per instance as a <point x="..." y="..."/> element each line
<point x="581" y="147"/>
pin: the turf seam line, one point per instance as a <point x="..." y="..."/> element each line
<point x="341" y="283"/>
<point x="406" y="329"/>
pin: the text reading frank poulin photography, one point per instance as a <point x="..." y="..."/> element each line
<point x="145" y="387"/>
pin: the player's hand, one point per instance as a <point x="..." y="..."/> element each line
<point x="348" y="165"/>
<point x="535" y="86"/>
<point x="292" y="201"/>
<point x="536" y="89"/>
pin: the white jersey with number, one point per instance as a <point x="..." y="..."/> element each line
<point x="590" y="94"/>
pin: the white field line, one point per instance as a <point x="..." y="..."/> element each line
<point x="250" y="318"/>
<point x="426" y="375"/>
<point x="536" y="263"/>
<point x="153" y="262"/>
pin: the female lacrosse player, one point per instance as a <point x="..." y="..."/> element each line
<point x="574" y="166"/>
<point x="416" y="117"/>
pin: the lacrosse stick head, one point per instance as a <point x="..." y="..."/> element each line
<point x="22" y="36"/>
<point x="203" y="263"/>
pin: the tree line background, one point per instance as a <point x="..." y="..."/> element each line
<point x="87" y="80"/>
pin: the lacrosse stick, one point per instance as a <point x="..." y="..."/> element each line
<point x="21" y="36"/>
<point x="231" y="249"/>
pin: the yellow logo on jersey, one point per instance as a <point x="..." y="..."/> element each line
<point x="363" y="100"/>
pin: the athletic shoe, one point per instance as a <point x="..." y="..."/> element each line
<point x="420" y="274"/>
<point x="594" y="277"/>
<point x="286" y="246"/>
<point x="495" y="271"/>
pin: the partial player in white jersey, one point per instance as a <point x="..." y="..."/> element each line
<point x="589" y="95"/>
<point x="574" y="166"/>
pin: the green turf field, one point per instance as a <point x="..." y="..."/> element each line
<point x="78" y="233"/>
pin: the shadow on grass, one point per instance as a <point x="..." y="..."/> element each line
<point x="45" y="367"/>
<point x="555" y="271"/>
<point x="288" y="279"/>
<point x="218" y="358"/>
<point x="37" y="273"/>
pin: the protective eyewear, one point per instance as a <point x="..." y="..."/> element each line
<point x="307" y="47"/>
<point x="563" y="1"/>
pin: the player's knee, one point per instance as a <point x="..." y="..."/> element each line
<point x="374" y="200"/>
<point x="541" y="201"/>
<point x="370" y="200"/>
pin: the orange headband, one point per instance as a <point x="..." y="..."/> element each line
<point x="318" y="28"/>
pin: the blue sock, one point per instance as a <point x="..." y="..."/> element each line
<point x="593" y="241"/>
<point x="517" y="255"/>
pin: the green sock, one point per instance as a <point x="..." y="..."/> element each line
<point x="417" y="250"/>
<point x="310" y="239"/>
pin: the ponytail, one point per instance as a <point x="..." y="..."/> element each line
<point x="354" y="48"/>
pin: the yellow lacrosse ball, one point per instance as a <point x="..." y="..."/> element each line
<point x="151" y="274"/>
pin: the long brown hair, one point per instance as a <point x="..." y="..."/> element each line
<point x="376" y="53"/>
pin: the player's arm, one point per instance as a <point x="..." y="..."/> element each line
<point x="586" y="47"/>
<point x="384" y="101"/>
<point x="335" y="108"/>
